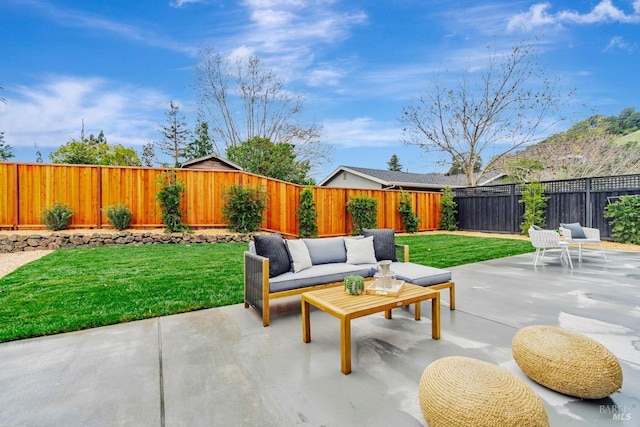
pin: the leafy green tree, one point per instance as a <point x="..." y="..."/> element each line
<point x="5" y="149"/>
<point x="94" y="151"/>
<point x="307" y="214"/>
<point x="275" y="160"/>
<point x="202" y="145"/>
<point x="175" y="135"/>
<point x="244" y="207"/>
<point x="625" y="218"/>
<point x="535" y="202"/>
<point x="409" y="218"/>
<point x="448" y="210"/>
<point x="394" y="164"/>
<point x="169" y="197"/>
<point x="364" y="213"/>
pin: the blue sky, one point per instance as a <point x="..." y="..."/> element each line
<point x="117" y="64"/>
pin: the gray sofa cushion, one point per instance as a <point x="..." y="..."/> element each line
<point x="326" y="250"/>
<point x="576" y="230"/>
<point x="420" y="274"/>
<point x="319" y="274"/>
<point x="272" y="246"/>
<point x="384" y="242"/>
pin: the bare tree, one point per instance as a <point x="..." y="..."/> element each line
<point x="243" y="100"/>
<point x="510" y="102"/>
<point x="175" y="134"/>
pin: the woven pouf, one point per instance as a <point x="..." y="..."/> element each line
<point x="567" y="361"/>
<point x="460" y="391"/>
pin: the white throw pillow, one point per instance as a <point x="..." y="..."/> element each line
<point x="300" y="258"/>
<point x="360" y="251"/>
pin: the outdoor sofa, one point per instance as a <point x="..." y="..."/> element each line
<point x="275" y="267"/>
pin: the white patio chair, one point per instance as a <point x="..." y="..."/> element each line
<point x="592" y="237"/>
<point x="544" y="240"/>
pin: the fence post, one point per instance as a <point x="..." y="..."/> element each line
<point x="588" y="202"/>
<point x="514" y="210"/>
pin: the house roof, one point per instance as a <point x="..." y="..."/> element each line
<point x="211" y="157"/>
<point x="389" y="179"/>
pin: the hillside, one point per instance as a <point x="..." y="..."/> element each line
<point x="596" y="146"/>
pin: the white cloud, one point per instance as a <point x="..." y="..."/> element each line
<point x="291" y="33"/>
<point x="361" y="132"/>
<point x="180" y="3"/>
<point x="75" y="18"/>
<point x="604" y="12"/>
<point x="618" y="42"/>
<point x="51" y="113"/>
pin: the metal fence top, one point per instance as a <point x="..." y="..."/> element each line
<point x="603" y="183"/>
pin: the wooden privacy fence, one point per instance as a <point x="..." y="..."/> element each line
<point x="26" y="189"/>
<point x="496" y="208"/>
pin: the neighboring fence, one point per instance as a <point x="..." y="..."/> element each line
<point x="26" y="189"/>
<point x="496" y="208"/>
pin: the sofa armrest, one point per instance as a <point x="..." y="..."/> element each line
<point x="256" y="283"/>
<point x="402" y="253"/>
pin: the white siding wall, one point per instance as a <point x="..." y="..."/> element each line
<point x="349" y="180"/>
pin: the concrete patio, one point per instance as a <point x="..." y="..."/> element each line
<point x="220" y="367"/>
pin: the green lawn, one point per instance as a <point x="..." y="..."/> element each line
<point x="74" y="289"/>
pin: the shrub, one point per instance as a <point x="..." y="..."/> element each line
<point x="448" y="210"/>
<point x="364" y="213"/>
<point x="625" y="218"/>
<point x="119" y="216"/>
<point x="57" y="217"/>
<point x="243" y="207"/>
<point x="409" y="219"/>
<point x="307" y="214"/>
<point x="169" y="197"/>
<point x="535" y="202"/>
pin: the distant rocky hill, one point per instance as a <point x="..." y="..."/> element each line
<point x="596" y="146"/>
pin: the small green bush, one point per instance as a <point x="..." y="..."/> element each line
<point x="409" y="218"/>
<point x="448" y="210"/>
<point x="307" y="214"/>
<point x="119" y="216"/>
<point x="57" y="217"/>
<point x="535" y="202"/>
<point x="625" y="218"/>
<point x="364" y="213"/>
<point x="169" y="197"/>
<point x="244" y="207"/>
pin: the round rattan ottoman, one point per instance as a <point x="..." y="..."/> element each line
<point x="461" y="391"/>
<point x="567" y="361"/>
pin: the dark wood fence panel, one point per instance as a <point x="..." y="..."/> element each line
<point x="497" y="208"/>
<point x="27" y="189"/>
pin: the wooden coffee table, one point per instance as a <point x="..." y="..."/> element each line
<point x="345" y="307"/>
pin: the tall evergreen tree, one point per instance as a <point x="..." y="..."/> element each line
<point x="394" y="164"/>
<point x="202" y="145"/>
<point x="175" y="134"/>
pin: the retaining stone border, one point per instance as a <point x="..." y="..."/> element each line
<point x="33" y="242"/>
